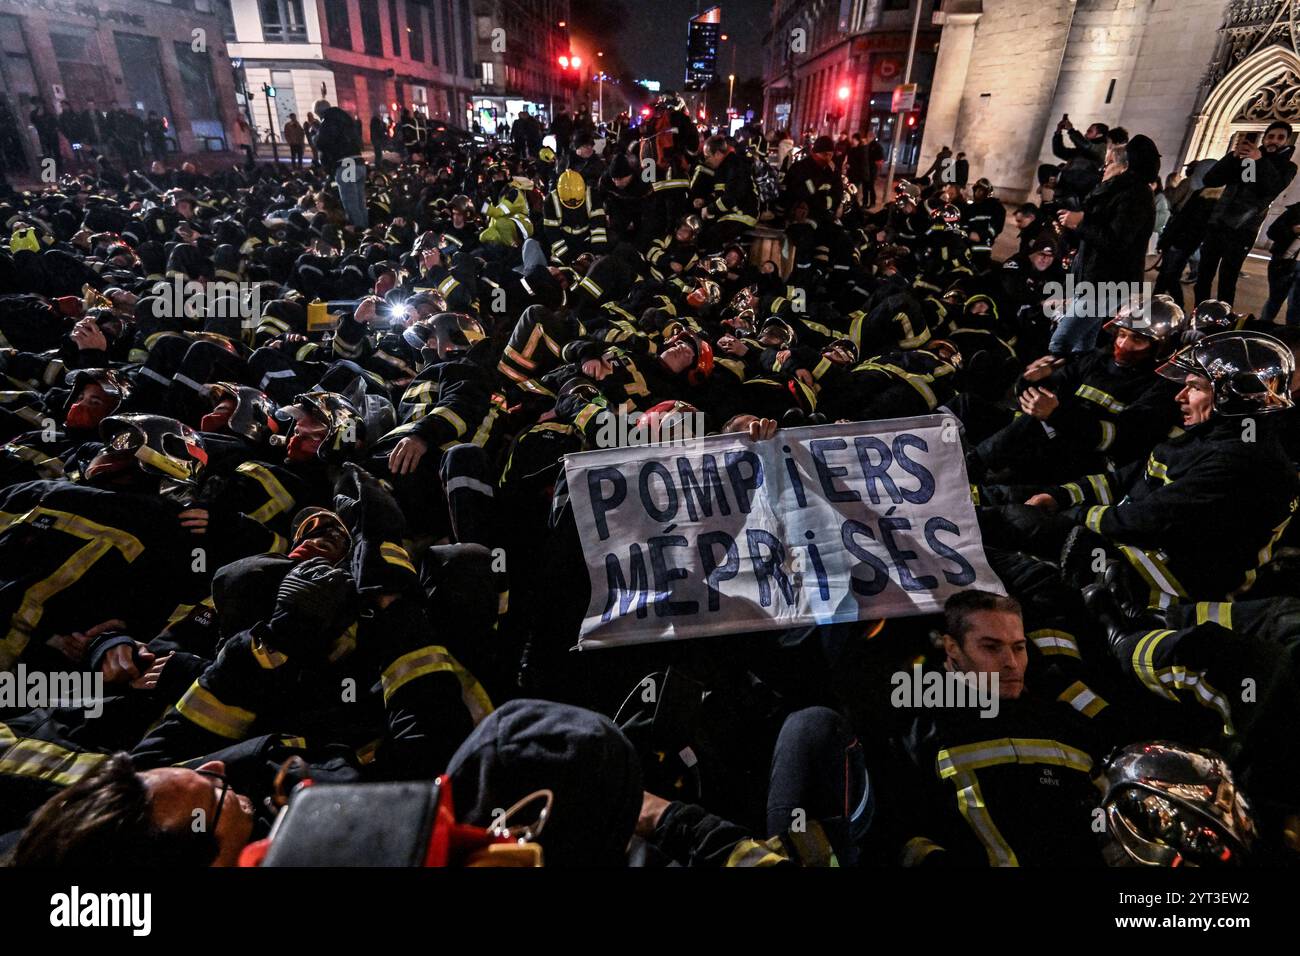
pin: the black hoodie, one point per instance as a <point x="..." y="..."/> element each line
<point x="580" y="756"/>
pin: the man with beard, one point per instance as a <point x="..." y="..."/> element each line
<point x="1253" y="175"/>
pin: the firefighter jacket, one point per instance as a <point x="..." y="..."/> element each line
<point x="1200" y="515"/>
<point x="572" y="231"/>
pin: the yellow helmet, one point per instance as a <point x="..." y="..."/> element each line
<point x="24" y="237"/>
<point x="572" y="189"/>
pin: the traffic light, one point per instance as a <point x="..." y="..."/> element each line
<point x="268" y="89"/>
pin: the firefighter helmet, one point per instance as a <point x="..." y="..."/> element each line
<point x="693" y="223"/>
<point x="947" y="214"/>
<point x="114" y="383"/>
<point x="746" y="298"/>
<point x="1158" y="318"/>
<point x="1251" y="372"/>
<point x="1169" y="805"/>
<point x="345" y="427"/>
<point x="162" y="446"/>
<point x="669" y="422"/>
<point x="702" y="367"/>
<point x="571" y="188"/>
<point x="454" y="333"/>
<point x="1212" y="315"/>
<point x="706" y="293"/>
<point x="842" y="351"/>
<point x="779" y="329"/>
<point x="254" y="414"/>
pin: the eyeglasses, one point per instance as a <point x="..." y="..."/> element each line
<point x="221" y="797"/>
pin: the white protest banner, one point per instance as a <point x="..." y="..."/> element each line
<point x="819" y="525"/>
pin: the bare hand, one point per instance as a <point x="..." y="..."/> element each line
<point x="1040" y="368"/>
<point x="405" y="458"/>
<point x="149" y="679"/>
<point x="597" y="369"/>
<point x="652" y="810"/>
<point x="1038" y="402"/>
<point x="1070" y="220"/>
<point x="1046" y="502"/>
<point x="86" y="335"/>
<point x="762" y="429"/>
<point x="365" y="311"/>
<point x="196" y="519"/>
<point x="119" y="666"/>
<point x="430" y="258"/>
<point x="732" y="346"/>
<point x="1247" y="150"/>
<point x="73" y="646"/>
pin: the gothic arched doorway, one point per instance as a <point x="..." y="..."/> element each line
<point x="1262" y="87"/>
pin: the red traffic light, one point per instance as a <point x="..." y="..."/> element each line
<point x="911" y="119"/>
<point x="645" y="111"/>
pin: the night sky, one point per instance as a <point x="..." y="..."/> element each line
<point x="651" y="34"/>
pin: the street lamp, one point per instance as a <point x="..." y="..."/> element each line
<point x="269" y="92"/>
<point x="731" y="86"/>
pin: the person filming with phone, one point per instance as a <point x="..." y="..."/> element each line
<point x="1254" y="173"/>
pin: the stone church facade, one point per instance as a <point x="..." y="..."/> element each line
<point x="1187" y="73"/>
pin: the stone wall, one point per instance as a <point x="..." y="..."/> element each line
<point x="1008" y="89"/>
<point x="1175" y="54"/>
<point x="1135" y="63"/>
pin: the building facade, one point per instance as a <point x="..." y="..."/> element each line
<point x="517" y="44"/>
<point x="1187" y="73"/>
<point x="370" y="57"/>
<point x="831" y="66"/>
<point x="164" y="56"/>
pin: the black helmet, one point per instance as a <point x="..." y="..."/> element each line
<point x="113" y="382"/>
<point x="254" y="416"/>
<point x="1251" y="372"/>
<point x="946" y="213"/>
<point x="375" y="407"/>
<point x="346" y="427"/>
<point x="161" y="446"/>
<point x="1169" y="805"/>
<point x="844" y="348"/>
<point x="454" y="333"/>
